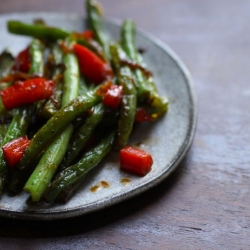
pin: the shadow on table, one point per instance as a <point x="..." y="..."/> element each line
<point x="77" y="225"/>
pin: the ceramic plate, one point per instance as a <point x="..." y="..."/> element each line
<point x="168" y="139"/>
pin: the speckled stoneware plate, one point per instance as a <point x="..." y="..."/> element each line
<point x="168" y="139"/>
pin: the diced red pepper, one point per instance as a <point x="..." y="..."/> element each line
<point x="14" y="150"/>
<point x="27" y="92"/>
<point x="91" y="65"/>
<point x="22" y="61"/>
<point x="135" y="160"/>
<point x="142" y="115"/>
<point x="113" y="96"/>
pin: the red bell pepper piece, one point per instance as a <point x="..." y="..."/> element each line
<point x="142" y="115"/>
<point x="91" y="65"/>
<point x="22" y="61"/>
<point x="113" y="96"/>
<point x="135" y="160"/>
<point x="14" y="150"/>
<point x="27" y="92"/>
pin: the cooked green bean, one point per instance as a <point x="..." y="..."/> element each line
<point x="36" y="49"/>
<point x="127" y="111"/>
<point x="47" y="133"/>
<point x="6" y="63"/>
<point x="3" y="129"/>
<point x="82" y="134"/>
<point x="77" y="171"/>
<point x="96" y="24"/>
<point x="128" y="44"/>
<point x="22" y="115"/>
<point x="56" y="124"/>
<point x="71" y="78"/>
<point x="54" y="103"/>
<point x="44" y="172"/>
<point x="37" y="31"/>
<point x="147" y="90"/>
<point x="83" y="88"/>
<point x="129" y="98"/>
<point x="54" y="154"/>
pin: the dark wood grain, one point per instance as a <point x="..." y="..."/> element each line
<point x="205" y="204"/>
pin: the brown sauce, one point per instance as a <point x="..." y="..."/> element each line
<point x="100" y="186"/>
<point x="125" y="180"/>
<point x="94" y="188"/>
<point x="104" y="184"/>
<point x="134" y="65"/>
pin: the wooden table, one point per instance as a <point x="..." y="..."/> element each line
<point x="205" y="203"/>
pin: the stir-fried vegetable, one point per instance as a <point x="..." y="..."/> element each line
<point x="69" y="98"/>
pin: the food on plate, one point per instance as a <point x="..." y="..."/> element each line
<point x="68" y="99"/>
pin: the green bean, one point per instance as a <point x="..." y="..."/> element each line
<point x="127" y="110"/>
<point x="37" y="31"/>
<point x="36" y="52"/>
<point x="128" y="44"/>
<point x="147" y="90"/>
<point x="47" y="133"/>
<point x="71" y="78"/>
<point x="96" y="24"/>
<point x="4" y="113"/>
<point x="57" y="54"/>
<point x="129" y="98"/>
<point x="21" y="120"/>
<point x="83" y="88"/>
<point x="3" y="129"/>
<point x="158" y="105"/>
<point x="36" y="49"/>
<point x="54" y="104"/>
<point x="77" y="171"/>
<point x="118" y="54"/>
<point x="68" y="192"/>
<point x="82" y="134"/>
<point x="128" y="39"/>
<point x="6" y="63"/>
<point x="108" y="123"/>
<point x="56" y="124"/>
<point x="53" y="155"/>
<point x="53" y="65"/>
<point x="43" y="173"/>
